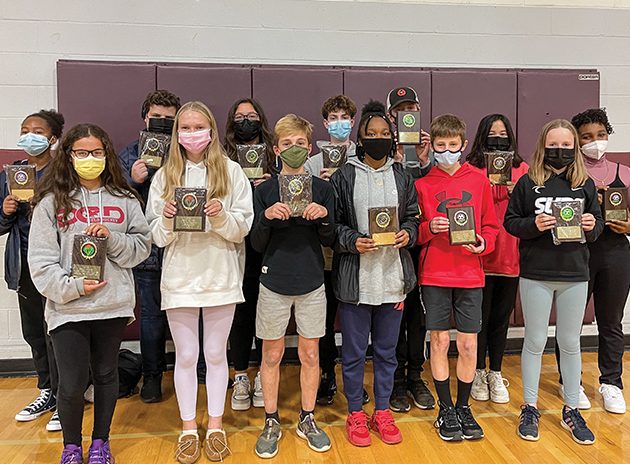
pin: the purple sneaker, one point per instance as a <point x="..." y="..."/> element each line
<point x="100" y="453"/>
<point x="72" y="454"/>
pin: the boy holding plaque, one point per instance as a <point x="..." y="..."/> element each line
<point x="457" y="227"/>
<point x="551" y="272"/>
<point x="292" y="275"/>
<point x="88" y="232"/>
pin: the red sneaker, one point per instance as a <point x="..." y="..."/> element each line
<point x="357" y="429"/>
<point x="383" y="423"/>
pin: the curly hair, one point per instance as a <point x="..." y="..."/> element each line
<point x="54" y="120"/>
<point x="161" y="98"/>
<point x="592" y="116"/>
<point x="337" y="103"/>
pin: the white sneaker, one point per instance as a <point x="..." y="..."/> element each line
<point x="54" y="424"/>
<point x="257" y="398"/>
<point x="498" y="388"/>
<point x="241" y="393"/>
<point x="583" y="401"/>
<point x="89" y="394"/>
<point x="479" y="390"/>
<point x="613" y="399"/>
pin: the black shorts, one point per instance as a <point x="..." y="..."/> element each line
<point x="440" y="302"/>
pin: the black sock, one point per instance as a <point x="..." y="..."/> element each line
<point x="304" y="413"/>
<point x="463" y="393"/>
<point x="443" y="389"/>
<point x="273" y="415"/>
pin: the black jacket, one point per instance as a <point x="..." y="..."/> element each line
<point x="346" y="259"/>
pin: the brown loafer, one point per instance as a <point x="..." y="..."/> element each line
<point x="215" y="446"/>
<point x="188" y="449"/>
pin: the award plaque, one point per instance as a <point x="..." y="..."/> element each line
<point x="296" y="191"/>
<point x="461" y="225"/>
<point x="334" y="156"/>
<point x="568" y="214"/>
<point x="409" y="127"/>
<point x="616" y="204"/>
<point x="190" y="203"/>
<point x="21" y="180"/>
<point x="499" y="166"/>
<point x="252" y="159"/>
<point x="153" y="148"/>
<point x="88" y="256"/>
<point x="383" y="225"/>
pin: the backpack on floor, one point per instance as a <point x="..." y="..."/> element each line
<point x="129" y="372"/>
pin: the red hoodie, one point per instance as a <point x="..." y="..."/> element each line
<point x="441" y="264"/>
<point x="504" y="260"/>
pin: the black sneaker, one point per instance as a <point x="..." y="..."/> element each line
<point x="528" y="423"/>
<point x="151" y="391"/>
<point x="449" y="428"/>
<point x="327" y="389"/>
<point x="470" y="428"/>
<point x="398" y="401"/>
<point x="573" y="421"/>
<point x="420" y="394"/>
<point x="366" y="397"/>
<point x="44" y="402"/>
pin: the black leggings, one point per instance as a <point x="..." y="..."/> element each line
<point x="328" y="352"/>
<point x="499" y="295"/>
<point x="81" y="348"/>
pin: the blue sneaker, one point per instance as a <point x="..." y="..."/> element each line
<point x="528" y="423"/>
<point x="573" y="421"/>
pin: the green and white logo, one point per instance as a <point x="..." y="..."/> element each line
<point x="567" y="213"/>
<point x="409" y="120"/>
<point x="88" y="250"/>
<point x="296" y="186"/>
<point x="251" y="156"/>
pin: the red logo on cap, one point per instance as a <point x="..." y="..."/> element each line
<point x="401" y="92"/>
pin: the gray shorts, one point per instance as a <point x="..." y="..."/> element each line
<point x="274" y="311"/>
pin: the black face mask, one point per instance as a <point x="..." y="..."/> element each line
<point x="246" y="130"/>
<point x="498" y="143"/>
<point x="161" y="125"/>
<point x="559" y="158"/>
<point x="377" y="148"/>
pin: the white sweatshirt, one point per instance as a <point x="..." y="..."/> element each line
<point x="202" y="269"/>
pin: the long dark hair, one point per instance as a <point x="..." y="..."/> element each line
<point x="61" y="179"/>
<point x="266" y="136"/>
<point x="476" y="157"/>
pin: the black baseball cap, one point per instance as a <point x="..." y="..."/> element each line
<point x="401" y="95"/>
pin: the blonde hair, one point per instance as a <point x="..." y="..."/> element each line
<point x="539" y="172"/>
<point x="214" y="158"/>
<point x="292" y="124"/>
<point x="448" y="125"/>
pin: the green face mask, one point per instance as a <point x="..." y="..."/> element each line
<point x="294" y="156"/>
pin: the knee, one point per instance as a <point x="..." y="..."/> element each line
<point x="568" y="344"/>
<point x="215" y="355"/>
<point x="309" y="357"/>
<point x="467" y="346"/>
<point x="105" y="375"/>
<point x="272" y="356"/>
<point x="187" y="356"/>
<point x="440" y="341"/>
<point x="534" y="343"/>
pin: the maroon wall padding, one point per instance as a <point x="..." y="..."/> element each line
<point x="107" y="94"/>
<point x="619" y="157"/>
<point x="364" y="84"/>
<point x="299" y="90"/>
<point x="217" y="87"/>
<point x="473" y="95"/>
<point x="547" y="95"/>
<point x="9" y="156"/>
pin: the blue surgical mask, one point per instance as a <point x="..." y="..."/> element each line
<point x="447" y="158"/>
<point x="340" y="129"/>
<point x="33" y="144"/>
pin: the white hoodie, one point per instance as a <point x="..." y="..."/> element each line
<point x="203" y="269"/>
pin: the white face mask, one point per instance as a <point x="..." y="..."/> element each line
<point x="447" y="158"/>
<point x="595" y="150"/>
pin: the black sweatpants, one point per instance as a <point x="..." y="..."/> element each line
<point x="328" y="352"/>
<point x="82" y="348"/>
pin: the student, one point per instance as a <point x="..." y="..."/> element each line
<point x="158" y="110"/>
<point x="552" y="272"/>
<point x="38" y="133"/>
<point x="408" y="382"/>
<point x="369" y="281"/>
<point x="201" y="269"/>
<point x="451" y="276"/>
<point x="501" y="267"/>
<point x="247" y="125"/>
<point x="84" y="192"/>
<point x="292" y="275"/>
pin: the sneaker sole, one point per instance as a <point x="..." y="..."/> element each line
<point x="473" y="437"/>
<point x="457" y="437"/>
<point x="53" y="428"/>
<point x="268" y="455"/>
<point x="528" y="437"/>
<point x="258" y="403"/>
<point x="156" y="399"/>
<point x="501" y="401"/>
<point x="304" y="437"/>
<point x="400" y="409"/>
<point x="479" y="398"/>
<point x="238" y="405"/>
<point x="575" y="439"/>
<point x="614" y="411"/>
<point x="32" y="417"/>
<point x="418" y="405"/>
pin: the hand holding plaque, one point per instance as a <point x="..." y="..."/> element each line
<point x="21" y="180"/>
<point x="408" y="126"/>
<point x="153" y="148"/>
<point x="252" y="159"/>
<point x="334" y="156"/>
<point x="296" y="191"/>
<point x="568" y="214"/>
<point x="190" y="202"/>
<point x="383" y="225"/>
<point x="461" y="225"/>
<point x="88" y="256"/>
<point x="615" y="204"/>
<point x="499" y="166"/>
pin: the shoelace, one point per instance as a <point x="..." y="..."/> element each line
<point x="494" y="385"/>
<point x="310" y="425"/>
<point x="71" y="456"/>
<point x="222" y="448"/>
<point x="612" y="392"/>
<point x="385" y="420"/>
<point x="467" y="417"/>
<point x="257" y="384"/>
<point x="449" y="418"/>
<point x="269" y="428"/>
<point x="529" y="415"/>
<point x="100" y="456"/>
<point x="241" y="387"/>
<point x="576" y="419"/>
<point x="359" y="421"/>
<point x="39" y="401"/>
<point x="183" y="446"/>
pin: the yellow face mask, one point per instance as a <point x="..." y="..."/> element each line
<point x="89" y="168"/>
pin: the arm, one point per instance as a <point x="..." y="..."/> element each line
<point x="127" y="157"/>
<point x="6" y="220"/>
<point x="591" y="205"/>
<point x="161" y="227"/>
<point x="235" y="219"/>
<point x="346" y="237"/>
<point x="130" y="248"/>
<point x="411" y="215"/>
<point x="519" y="220"/>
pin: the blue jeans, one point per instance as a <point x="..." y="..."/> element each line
<point x="153" y="323"/>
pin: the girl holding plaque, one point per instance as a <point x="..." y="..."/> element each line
<point x="551" y="272"/>
<point x="84" y="195"/>
<point x="201" y="269"/>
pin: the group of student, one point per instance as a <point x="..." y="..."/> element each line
<point x="239" y="281"/>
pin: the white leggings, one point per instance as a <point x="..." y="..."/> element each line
<point x="184" y="324"/>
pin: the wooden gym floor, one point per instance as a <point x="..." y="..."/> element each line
<point x="143" y="434"/>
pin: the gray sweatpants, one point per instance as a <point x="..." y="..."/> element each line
<point x="536" y="299"/>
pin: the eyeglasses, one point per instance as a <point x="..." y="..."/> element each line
<point x="82" y="154"/>
<point x="250" y="117"/>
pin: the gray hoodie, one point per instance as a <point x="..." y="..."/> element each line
<point x="50" y="257"/>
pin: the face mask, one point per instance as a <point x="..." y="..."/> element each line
<point x="33" y="144"/>
<point x="161" y="125"/>
<point x="340" y="129"/>
<point x="89" y="168"/>
<point x="247" y="130"/>
<point x="377" y="149"/>
<point x="595" y="150"/>
<point x="194" y="142"/>
<point x="559" y="158"/>
<point x="294" y="156"/>
<point x="498" y="143"/>
<point x="446" y="157"/>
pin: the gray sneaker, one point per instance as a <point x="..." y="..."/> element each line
<point x="316" y="437"/>
<point x="267" y="443"/>
<point x="241" y="393"/>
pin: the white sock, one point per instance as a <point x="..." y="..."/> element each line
<point x="214" y="430"/>
<point x="189" y="432"/>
